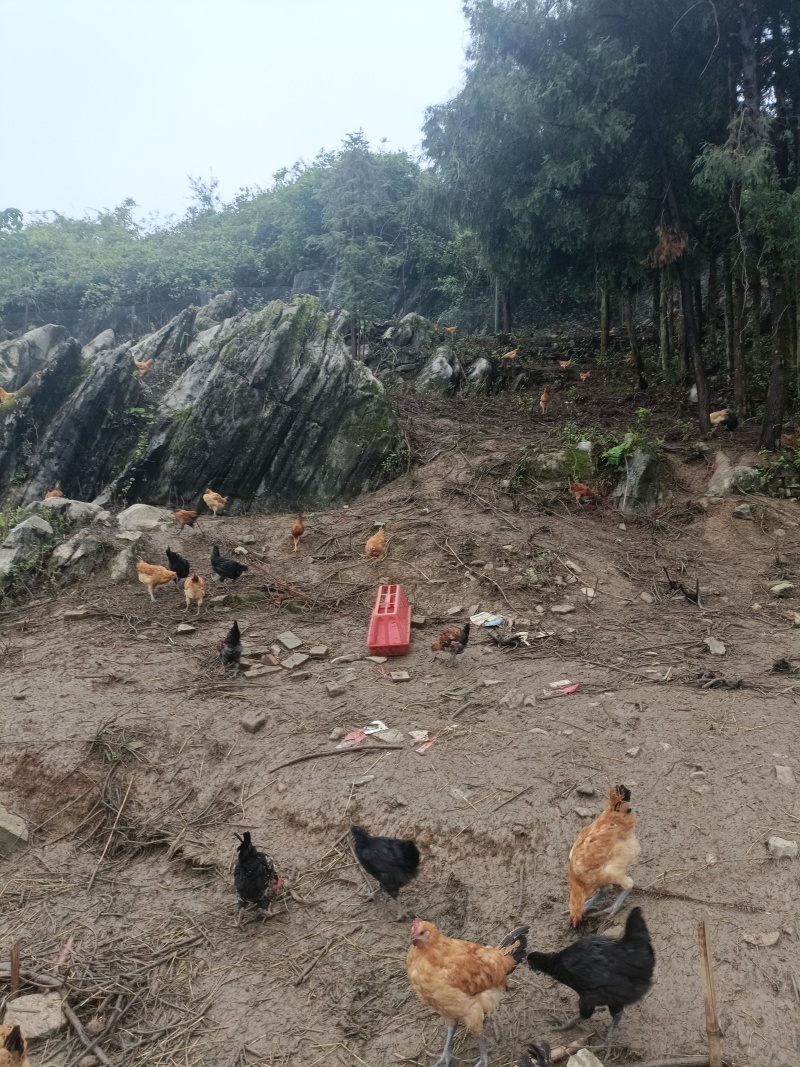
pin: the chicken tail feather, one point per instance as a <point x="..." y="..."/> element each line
<point x="515" y="944"/>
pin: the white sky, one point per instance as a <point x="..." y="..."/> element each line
<point x="104" y="99"/>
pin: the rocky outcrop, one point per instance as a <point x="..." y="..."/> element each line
<point x="20" y="359"/>
<point x="266" y="407"/>
<point x="438" y="375"/>
<point x="641" y="489"/>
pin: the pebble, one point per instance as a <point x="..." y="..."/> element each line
<point x="785" y="777"/>
<point x="253" y="721"/>
<point x="282" y="787"/>
<point x="562" y="609"/>
<point x="714" y="646"/>
<point x="518" y="830"/>
<point x="336" y="689"/>
<point x="336" y="734"/>
<point x="743" y="511"/>
<point x="300" y="676"/>
<point x="586" y="790"/>
<point x="781" y="849"/>
<point x="184" y="628"/>
<point x="248" y="539"/>
<point x="781" y="588"/>
<point x="418" y="621"/>
<point x="646" y="597"/>
<point x="13" y="832"/>
<point x="400" y="676"/>
<point x="241" y="551"/>
<point x="584" y="1057"/>
<point x="633" y="751"/>
<point x="457" y="609"/>
<point x="573" y="566"/>
<point x="585" y="813"/>
<point x="377" y="659"/>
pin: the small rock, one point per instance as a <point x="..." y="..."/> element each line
<point x="219" y="599"/>
<point x="518" y="830"/>
<point x="622" y="526"/>
<point x="348" y="657"/>
<point x="711" y="859"/>
<point x="529" y="701"/>
<point x="248" y="539"/>
<point x="318" y="651"/>
<point x="634" y="752"/>
<point x="88" y="1061"/>
<point x="562" y="609"/>
<point x="491" y="681"/>
<point x="258" y="670"/>
<point x="389" y="737"/>
<point x="13" y="832"/>
<point x="335" y="689"/>
<point x="377" y="659"/>
<point x="300" y="676"/>
<point x="714" y="646"/>
<point x="796" y="619"/>
<point x="76" y="613"/>
<point x="457" y="609"/>
<point x="37" y="1014"/>
<point x="588" y="592"/>
<point x="289" y="640"/>
<point x="184" y="628"/>
<point x="400" y="676"/>
<point x="419" y="736"/>
<point x="646" y="597"/>
<point x="241" y="551"/>
<point x="743" y="511"/>
<point x="781" y="849"/>
<point x="363" y="779"/>
<point x="282" y="787"/>
<point x="399" y="802"/>
<point x="698" y="774"/>
<point x="573" y="566"/>
<point x="585" y="813"/>
<point x="585" y="1058"/>
<point x="336" y="734"/>
<point x="785" y="777"/>
<point x="253" y="721"/>
<point x="418" y="621"/>
<point x="762" y="940"/>
<point x="665" y="745"/>
<point x="19" y="696"/>
<point x="781" y="589"/>
<point x="585" y="790"/>
<point x="297" y="659"/>
<point x="513" y="698"/>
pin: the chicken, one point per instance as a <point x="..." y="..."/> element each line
<point x="564" y="363"/>
<point x="393" y="861"/>
<point x="604" y="971"/>
<point x="544" y="400"/>
<point x="452" y="639"/>
<point x="582" y="492"/>
<point x="184" y="518"/>
<point x="151" y="575"/>
<point x="53" y="493"/>
<point x="181" y="566"/>
<point x="143" y="367"/>
<point x="790" y="440"/>
<point x="725" y="417"/>
<point x="462" y="981"/>
<point x="536" y="1056"/>
<point x="5" y="395"/>
<point x="450" y="330"/>
<point x="254" y="876"/>
<point x="602" y="854"/>
<point x="194" y="590"/>
<point x="214" y="501"/>
<point x="585" y="375"/>
<point x="226" y="568"/>
<point x="230" y="649"/>
<point x="14" y="1047"/>
<point x="298" y="529"/>
<point x="510" y="355"/>
<point x="376" y="545"/>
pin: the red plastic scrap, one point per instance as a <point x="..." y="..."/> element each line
<point x="390" y="626"/>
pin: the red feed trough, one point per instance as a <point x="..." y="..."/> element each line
<point x="390" y="625"/>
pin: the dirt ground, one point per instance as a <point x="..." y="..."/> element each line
<point x="122" y="749"/>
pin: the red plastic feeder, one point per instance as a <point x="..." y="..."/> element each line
<point x="390" y="625"/>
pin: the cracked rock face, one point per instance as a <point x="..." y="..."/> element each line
<point x="265" y="407"/>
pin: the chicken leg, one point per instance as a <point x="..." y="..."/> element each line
<point x="447" y="1052"/>
<point x="483" y="1059"/>
<point x="615" y="1019"/>
<point x="616" y="905"/>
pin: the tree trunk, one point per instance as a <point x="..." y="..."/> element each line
<point x="755" y="314"/>
<point x="698" y="307"/>
<point x="663" y="320"/>
<point x="353" y="337"/>
<point x="779" y="371"/>
<point x="797" y="324"/>
<point x="633" y="340"/>
<point x="711" y="302"/>
<point x="505" y="311"/>
<point x="604" y="322"/>
<point x="739" y="359"/>
<point x="727" y="284"/>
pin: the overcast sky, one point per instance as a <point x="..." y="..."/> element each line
<point x="105" y="99"/>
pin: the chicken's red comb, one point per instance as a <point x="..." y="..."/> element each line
<point x="415" y="927"/>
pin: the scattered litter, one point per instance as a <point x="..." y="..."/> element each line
<point x="762" y="940"/>
<point x="432" y="741"/>
<point x="714" y="646"/>
<point x="565" y="691"/>
<point x="363" y="779"/>
<point x="355" y="737"/>
<point x="418" y="736"/>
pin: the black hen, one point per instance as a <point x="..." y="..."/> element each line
<point x="230" y="650"/>
<point x="254" y="876"/>
<point x="393" y="861"/>
<point x="603" y="971"/>
<point x="226" y="568"/>
<point x="177" y="563"/>
<point x="536" y="1056"/>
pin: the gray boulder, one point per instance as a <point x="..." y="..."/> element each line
<point x="221" y="307"/>
<point x="142" y="517"/>
<point x="414" y="332"/>
<point x="21" y="358"/>
<point x="68" y="512"/>
<point x="479" y="376"/>
<point x="105" y="340"/>
<point x="438" y="374"/>
<point x="641" y="489"/>
<point x="28" y="540"/>
<point x="729" y="479"/>
<point x="168" y="344"/>
<point x="79" y="555"/>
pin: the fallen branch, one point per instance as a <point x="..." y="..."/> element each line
<point x="113" y="828"/>
<point x="709" y="996"/>
<point x="87" y="1042"/>
<point x="336" y="752"/>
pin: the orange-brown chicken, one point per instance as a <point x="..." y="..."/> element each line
<point x="5" y="395"/>
<point x="790" y="440"/>
<point x="376" y="545"/>
<point x="54" y="492"/>
<point x="725" y="417"/>
<point x="13" y="1047"/>
<point x="601" y="856"/>
<point x="143" y="367"/>
<point x="450" y="330"/>
<point x="194" y="590"/>
<point x="564" y="363"/>
<point x="184" y="518"/>
<point x="582" y="492"/>
<point x="585" y="375"/>
<point x="544" y="400"/>
<point x="214" y="501"/>
<point x="461" y="980"/>
<point x="510" y="355"/>
<point x="298" y="529"/>
<point x="452" y="639"/>
<point x="151" y="575"/>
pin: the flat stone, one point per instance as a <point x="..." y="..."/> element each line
<point x="335" y="689"/>
<point x="743" y="511"/>
<point x="185" y="628"/>
<point x="513" y="698"/>
<point x="377" y="659"/>
<point x="13" y="832"/>
<point x="585" y="1058"/>
<point x="253" y="721"/>
<point x="289" y="640"/>
<point x="457" y="609"/>
<point x="300" y="676"/>
<point x="562" y="609"/>
<point x="389" y="737"/>
<point x="418" y="621"/>
<point x="573" y="566"/>
<point x="785" y="776"/>
<point x="75" y="613"/>
<point x="240" y="551"/>
<point x="491" y="681"/>
<point x="259" y="670"/>
<point x="400" y="676"/>
<point x="248" y="539"/>
<point x="297" y="659"/>
<point x="585" y="813"/>
<point x="781" y="588"/>
<point x="318" y="651"/>
<point x="220" y="599"/>
<point x="714" y="646"/>
<point x="129" y="535"/>
<point x="37" y="1015"/>
<point x="781" y="849"/>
